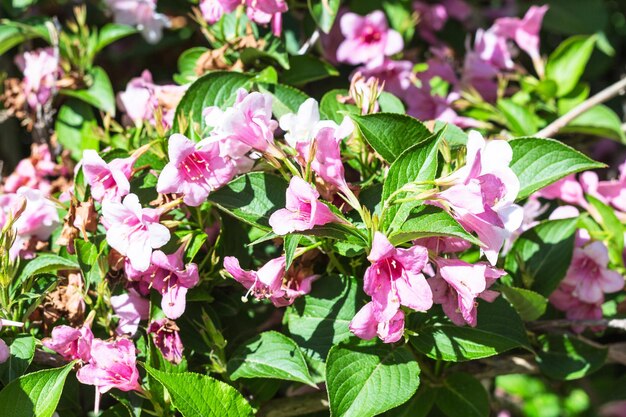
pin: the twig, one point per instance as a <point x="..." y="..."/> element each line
<point x="309" y="42"/>
<point x="551" y="324"/>
<point x="604" y="95"/>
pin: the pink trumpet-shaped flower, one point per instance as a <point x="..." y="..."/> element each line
<point x="71" y="343"/>
<point x="395" y="279"/>
<point x="367" y="38"/>
<point x="365" y="325"/>
<point x="166" y="338"/>
<point x="525" y="31"/>
<point x="133" y="231"/>
<point x="303" y="209"/>
<point x="130" y="308"/>
<point x="264" y="283"/>
<point x="112" y="365"/>
<point x="41" y="71"/>
<point x="108" y="181"/>
<point x="193" y="170"/>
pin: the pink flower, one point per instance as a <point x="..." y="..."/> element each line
<point x="365" y="325"/>
<point x="5" y="352"/>
<point x="432" y="18"/>
<point x="395" y="278"/>
<point x="612" y="192"/>
<point x="397" y="75"/>
<point x="482" y="193"/>
<point x="303" y="210"/>
<point x="525" y="32"/>
<point x="563" y="299"/>
<point x="458" y="284"/>
<point x="71" y="343"/>
<point x="166" y="338"/>
<point x="194" y="171"/>
<point x="112" y="365"/>
<point x="441" y="244"/>
<point x="264" y="11"/>
<point x="589" y="276"/>
<point x="133" y="231"/>
<point x="142" y="14"/>
<point x="213" y="10"/>
<point x="130" y="308"/>
<point x="567" y="189"/>
<point x="31" y="172"/>
<point x="108" y="181"/>
<point x="41" y="71"/>
<point x="302" y="128"/>
<point x="168" y="275"/>
<point x="367" y="38"/>
<point x="249" y="122"/>
<point x="327" y="162"/>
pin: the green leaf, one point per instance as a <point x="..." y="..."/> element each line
<point x="112" y="32"/>
<point x="46" y="263"/>
<point x="273" y="52"/>
<point x="612" y="226"/>
<point x="22" y="350"/>
<point x="214" y="89"/>
<point x="427" y="221"/>
<point x="520" y="120"/>
<point x="305" y="69"/>
<point x="528" y="304"/>
<point x="365" y="380"/>
<point x="332" y="109"/>
<point x="417" y="164"/>
<point x="270" y="355"/>
<point x="540" y="162"/>
<point x="451" y="134"/>
<point x="99" y="93"/>
<point x="87" y="255"/>
<point x="462" y="395"/>
<point x="196" y="395"/>
<point x="252" y="197"/>
<point x="187" y="65"/>
<point x="390" y="103"/>
<point x="290" y="245"/>
<point x="287" y="99"/>
<point x="582" y="16"/>
<point x="499" y="329"/>
<point x="14" y="33"/>
<point x="540" y="257"/>
<point x="320" y="319"/>
<point x="76" y="127"/>
<point x="34" y="395"/>
<point x="567" y="63"/>
<point x="324" y="12"/>
<point x="391" y="134"/>
<point x="599" y="121"/>
<point x="564" y="356"/>
<point x="419" y="405"/>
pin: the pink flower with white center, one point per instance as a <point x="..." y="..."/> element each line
<point x="112" y="365"/>
<point x="142" y="14"/>
<point x="367" y="38"/>
<point x="213" y="10"/>
<point x="41" y="71"/>
<point x="365" y="325"/>
<point x="194" y="170"/>
<point x="71" y="343"/>
<point x="457" y="286"/>
<point x="133" y="231"/>
<point x="5" y="352"/>
<point x="171" y="277"/>
<point x="248" y="122"/>
<point x="482" y="193"/>
<point x="525" y="31"/>
<point x="302" y="128"/>
<point x="108" y="181"/>
<point x="166" y="338"/>
<point x="130" y="308"/>
<point x="589" y="276"/>
<point x="303" y="210"/>
<point x="395" y="278"/>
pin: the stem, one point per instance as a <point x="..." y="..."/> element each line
<point x="604" y="95"/>
<point x="309" y="43"/>
<point x="550" y="324"/>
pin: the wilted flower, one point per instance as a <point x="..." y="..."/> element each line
<point x="166" y="338"/>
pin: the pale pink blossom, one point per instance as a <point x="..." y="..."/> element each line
<point x="432" y="18"/>
<point x="443" y="244"/>
<point x="365" y="325"/>
<point x="5" y="352"/>
<point x="71" y="343"/>
<point x="32" y="172"/>
<point x="525" y="31"/>
<point x="194" y="170"/>
<point x="394" y="278"/>
<point x="41" y="71"/>
<point x="367" y="38"/>
<point x="108" y="181"/>
<point x="611" y="192"/>
<point x="613" y="409"/>
<point x="566" y="189"/>
<point x="303" y="209"/>
<point x="327" y="162"/>
<point x="213" y="10"/>
<point x="589" y="275"/>
<point x="575" y="309"/>
<point x="171" y="277"/>
<point x="142" y="14"/>
<point x="266" y="11"/>
<point x="166" y="338"/>
<point x="397" y="75"/>
<point x="133" y="231"/>
<point x="130" y="308"/>
<point x="112" y="365"/>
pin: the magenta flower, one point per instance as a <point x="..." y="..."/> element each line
<point x="264" y="11"/>
<point x="130" y="308"/>
<point x="248" y="122"/>
<point x="71" y="343"/>
<point x="457" y="286"/>
<point x="395" y="278"/>
<point x="367" y="38"/>
<point x="525" y="31"/>
<point x="327" y="163"/>
<point x="567" y="189"/>
<point x="564" y="299"/>
<point x="611" y="192"/>
<point x="303" y="209"/>
<point x="194" y="171"/>
<point x="397" y="75"/>
<point x="112" y="365"/>
<point x="133" y="231"/>
<point x="108" y="181"/>
<point x="41" y="71"/>
<point x="168" y="275"/>
<point x="365" y="325"/>
<point x="589" y="276"/>
<point x="166" y="338"/>
<point x="32" y="172"/>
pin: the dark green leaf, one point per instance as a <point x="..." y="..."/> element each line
<point x="99" y="93"/>
<point x="306" y="68"/>
<point x="76" y="128"/>
<point x="15" y="33"/>
<point x="599" y="121"/>
<point x="112" y="32"/>
<point x="46" y="263"/>
<point x="290" y="246"/>
<point x="22" y="350"/>
<point x="332" y="109"/>
<point x="520" y="120"/>
<point x="287" y="99"/>
<point x="565" y="357"/>
<point x="528" y="304"/>
<point x="463" y="395"/>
